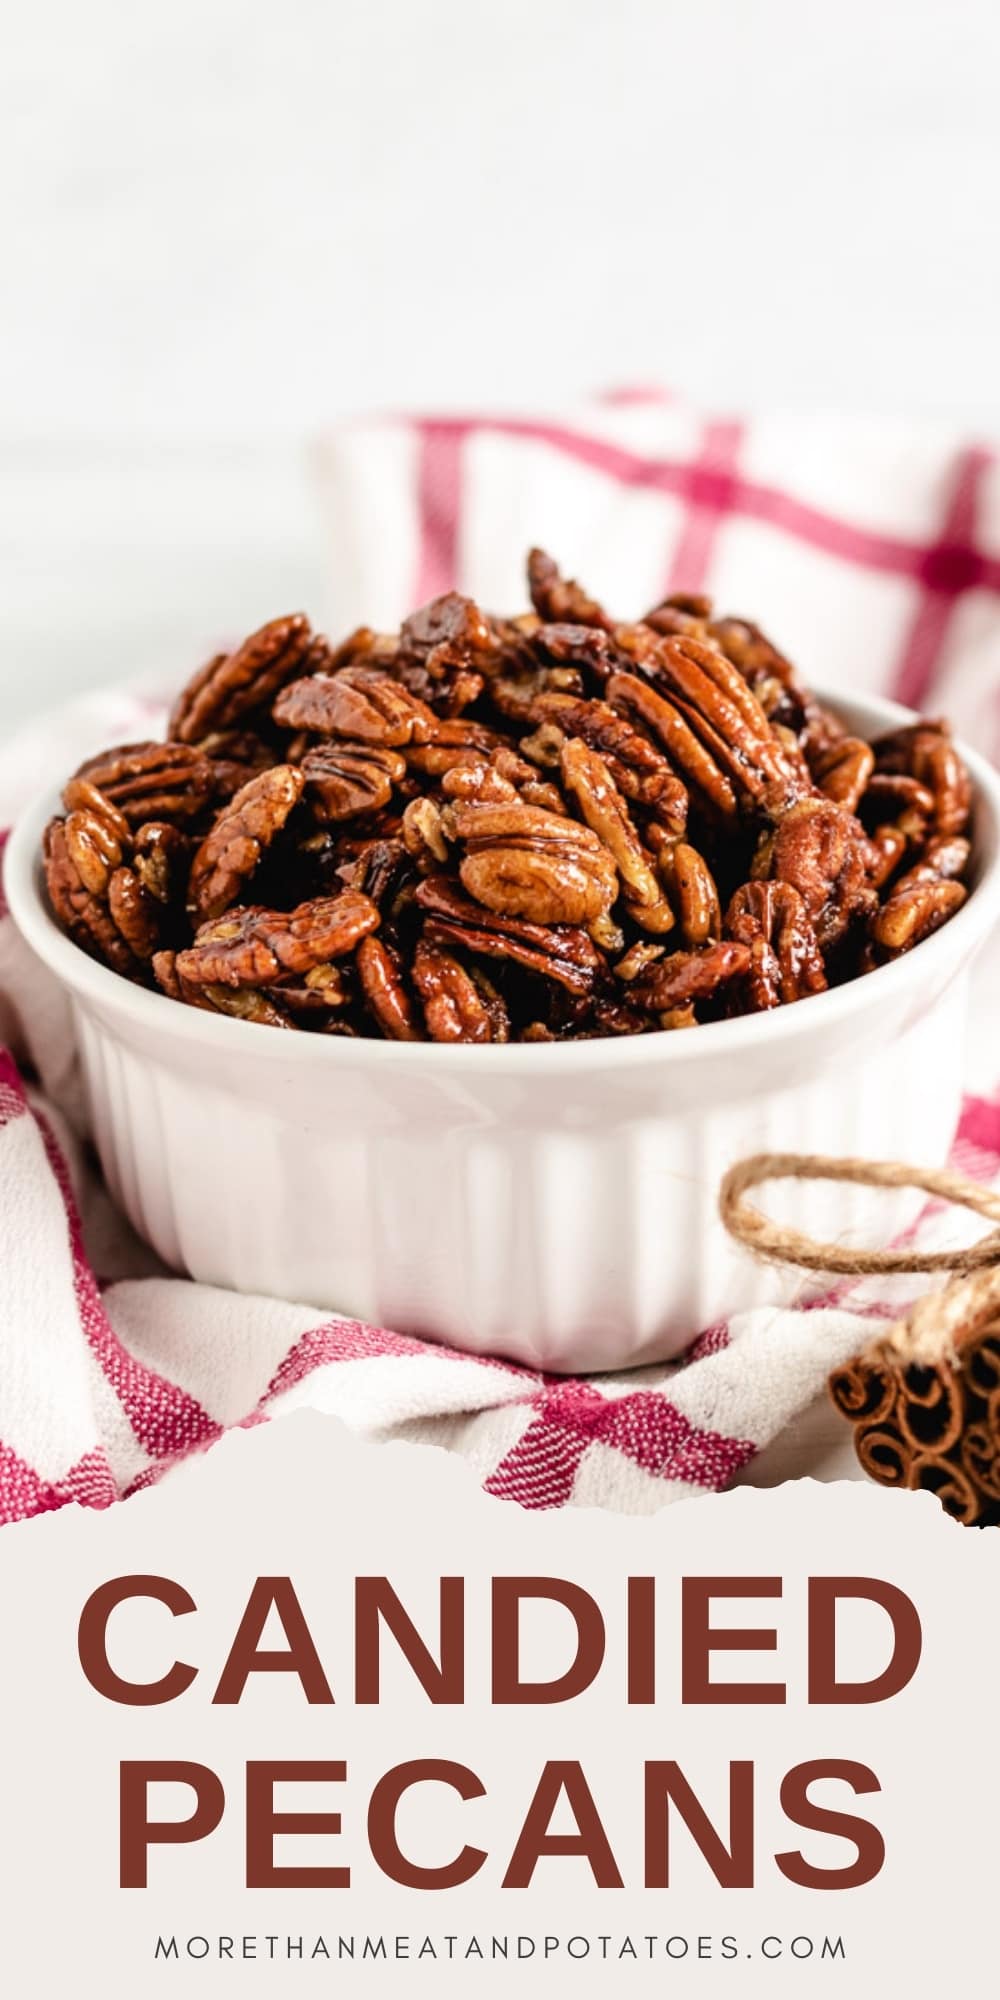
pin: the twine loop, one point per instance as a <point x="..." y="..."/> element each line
<point x="938" y="1326"/>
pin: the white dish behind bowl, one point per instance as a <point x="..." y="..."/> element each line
<point x="554" y="1203"/>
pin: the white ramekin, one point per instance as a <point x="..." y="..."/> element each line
<point x="553" y="1203"/>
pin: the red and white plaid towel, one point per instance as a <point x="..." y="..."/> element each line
<point x="874" y="557"/>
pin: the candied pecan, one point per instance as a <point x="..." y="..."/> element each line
<point x="380" y="871"/>
<point x="451" y="743"/>
<point x="557" y="599"/>
<point x="344" y="782"/>
<point x="360" y="704"/>
<point x="682" y="613"/>
<point x="894" y="798"/>
<point x="944" y="859"/>
<point x="381" y="982"/>
<point x="136" y="914"/>
<point x="559" y="951"/>
<point x="232" y="684"/>
<point x="245" y="1003"/>
<point x="691" y="886"/>
<point x="636" y="959"/>
<point x="886" y="848"/>
<point x="81" y="796"/>
<point x="160" y="858"/>
<point x="641" y="771"/>
<point x="94" y="847"/>
<point x="322" y="990"/>
<point x="424" y="832"/>
<point x="587" y="777"/>
<point x="445" y="650"/>
<point x="83" y="914"/>
<point x="726" y="716"/>
<point x="251" y="946"/>
<point x="231" y="850"/>
<point x="912" y="912"/>
<point x="821" y="850"/>
<point x="584" y="653"/>
<point x="637" y="700"/>
<point x="689" y="976"/>
<point x="842" y="770"/>
<point x="169" y="781"/>
<point x="786" y="961"/>
<point x="924" y="750"/>
<point x="454" y="1004"/>
<point x="523" y="862"/>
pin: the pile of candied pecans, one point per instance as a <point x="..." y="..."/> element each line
<point x="494" y="829"/>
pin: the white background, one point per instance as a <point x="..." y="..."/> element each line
<point x="228" y="223"/>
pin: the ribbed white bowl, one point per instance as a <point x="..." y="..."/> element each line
<point x="555" y="1203"/>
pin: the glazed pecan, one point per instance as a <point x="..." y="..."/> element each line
<point x="360" y="704"/>
<point x="925" y="751"/>
<point x="83" y="914"/>
<point x="95" y="847"/>
<point x="641" y="771"/>
<point x="456" y="1009"/>
<point x="821" y="850"/>
<point x="727" y="718"/>
<point x="445" y="650"/>
<point x="345" y="782"/>
<point x="558" y="600"/>
<point x="691" y="888"/>
<point x="136" y="914"/>
<point x="912" y="912"/>
<point x="254" y="947"/>
<point x="643" y="704"/>
<point x="587" y="778"/>
<point x="687" y="977"/>
<point x="381" y="981"/>
<point x="560" y="952"/>
<point x="232" y="684"/>
<point x="843" y="769"/>
<point x="520" y="861"/>
<point x="165" y="781"/>
<point x="785" y="959"/>
<point x="160" y="856"/>
<point x="231" y="850"/>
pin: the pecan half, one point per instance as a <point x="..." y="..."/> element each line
<point x="345" y="782"/>
<point x="558" y="600"/>
<point x="231" y="850"/>
<point x="254" y="947"/>
<point x="587" y="777"/>
<point x="232" y="684"/>
<point x="520" y="861"/>
<point x="843" y="769"/>
<point x="925" y="751"/>
<point x="360" y="704"/>
<point x="690" y="976"/>
<point x="786" y="963"/>
<point x="83" y="914"/>
<point x="560" y="952"/>
<point x="691" y="887"/>
<point x="445" y="650"/>
<point x="381" y="981"/>
<point x="822" y="852"/>
<point x="456" y="1009"/>
<point x="165" y="781"/>
<point x="912" y="912"/>
<point x="641" y="771"/>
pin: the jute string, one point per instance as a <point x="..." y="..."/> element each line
<point x="934" y="1330"/>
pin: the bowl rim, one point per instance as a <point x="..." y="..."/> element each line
<point x="91" y="981"/>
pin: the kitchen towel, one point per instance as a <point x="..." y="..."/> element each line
<point x="873" y="556"/>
